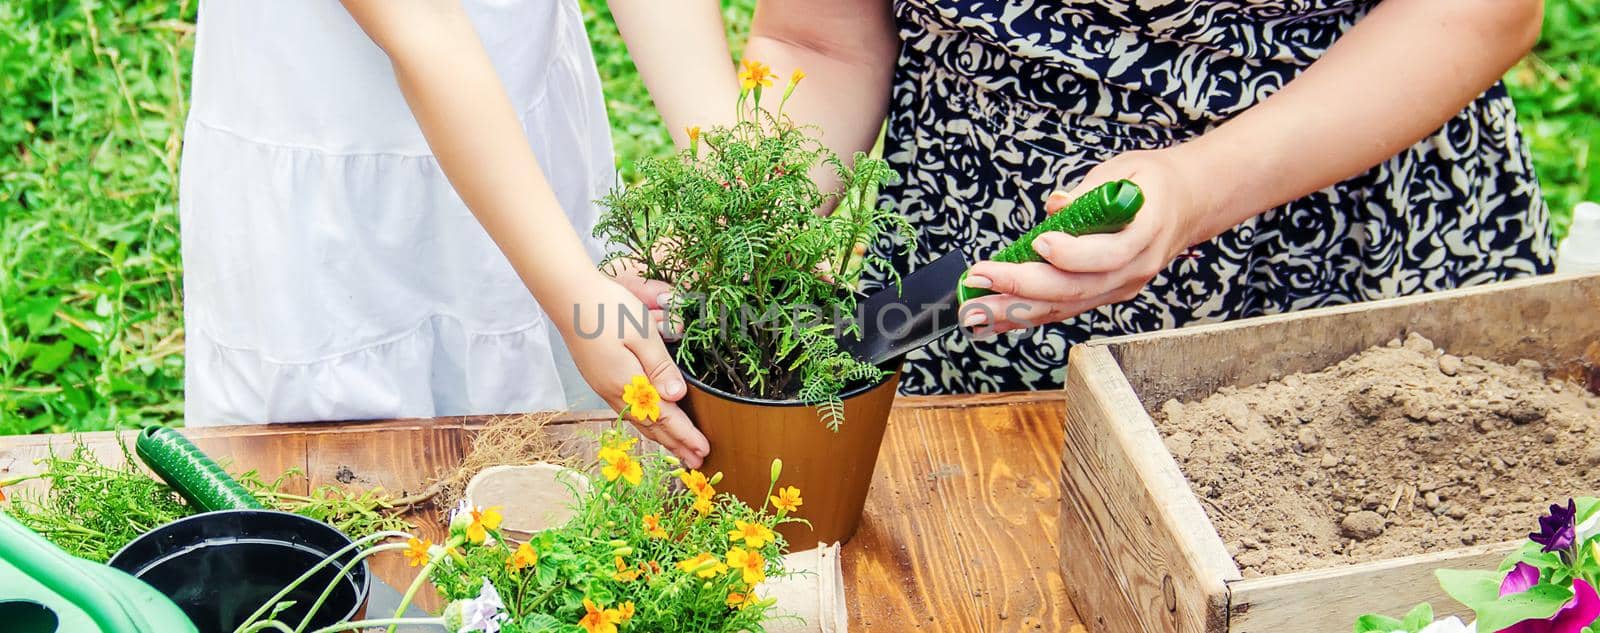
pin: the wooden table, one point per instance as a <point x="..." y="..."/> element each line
<point x="960" y="532"/>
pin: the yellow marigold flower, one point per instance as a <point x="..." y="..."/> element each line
<point x="652" y="526"/>
<point x="624" y="467"/>
<point x="599" y="619"/>
<point x="417" y="551"/>
<point x="702" y="505"/>
<point x="754" y="74"/>
<point x="788" y="499"/>
<point x="749" y="564"/>
<point x="738" y="600"/>
<point x="797" y="76"/>
<point x="625" y="610"/>
<point x="754" y="535"/>
<point x="697" y="483"/>
<point x="703" y="565"/>
<point x="523" y="558"/>
<point x="644" y="402"/>
<point x="624" y="572"/>
<point x="694" y="133"/>
<point x="483" y="522"/>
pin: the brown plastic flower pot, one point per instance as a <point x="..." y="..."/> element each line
<point x="832" y="469"/>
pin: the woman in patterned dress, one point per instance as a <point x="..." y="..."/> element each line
<point x="1293" y="153"/>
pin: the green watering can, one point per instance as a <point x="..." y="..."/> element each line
<point x="46" y="590"/>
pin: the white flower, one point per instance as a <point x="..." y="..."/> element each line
<point x="1589" y="528"/>
<point x="1449" y="625"/>
<point x="485" y="612"/>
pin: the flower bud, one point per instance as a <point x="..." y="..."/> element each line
<point x="672" y="461"/>
<point x="716" y="478"/>
<point x="453" y="615"/>
<point x="618" y="543"/>
<point x="623" y="551"/>
<point x="777" y="469"/>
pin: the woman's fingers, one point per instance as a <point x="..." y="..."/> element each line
<point x="1038" y="281"/>
<point x="677" y="434"/>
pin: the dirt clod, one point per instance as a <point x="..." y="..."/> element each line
<point x="1451" y="449"/>
<point x="1362" y="525"/>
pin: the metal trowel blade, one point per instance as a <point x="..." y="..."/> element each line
<point x="896" y="320"/>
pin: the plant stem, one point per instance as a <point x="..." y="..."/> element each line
<point x="306" y="621"/>
<point x="310" y="572"/>
<point x="392" y="622"/>
<point x="422" y="577"/>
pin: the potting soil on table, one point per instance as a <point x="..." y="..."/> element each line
<point x="1398" y="450"/>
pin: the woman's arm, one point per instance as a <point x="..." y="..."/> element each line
<point x="1394" y="78"/>
<point x="474" y="133"/>
<point x="846" y="47"/>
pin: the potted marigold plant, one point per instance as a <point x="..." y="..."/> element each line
<point x="763" y="284"/>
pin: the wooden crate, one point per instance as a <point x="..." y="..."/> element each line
<point x="1138" y="551"/>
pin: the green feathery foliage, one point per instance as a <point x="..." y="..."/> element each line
<point x="762" y="281"/>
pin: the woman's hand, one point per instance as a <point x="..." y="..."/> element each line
<point x="1079" y="274"/>
<point x="612" y="340"/>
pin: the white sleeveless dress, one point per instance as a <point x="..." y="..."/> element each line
<point x="331" y="272"/>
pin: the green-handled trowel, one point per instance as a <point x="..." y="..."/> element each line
<point x="927" y="303"/>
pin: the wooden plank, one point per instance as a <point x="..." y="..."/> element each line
<point x="1339" y="595"/>
<point x="1138" y="550"/>
<point x="1548" y="319"/>
<point x="401" y="461"/>
<point x="996" y="469"/>
<point x="901" y="569"/>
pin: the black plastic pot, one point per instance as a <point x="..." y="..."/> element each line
<point x="219" y="567"/>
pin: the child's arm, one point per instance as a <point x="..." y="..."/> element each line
<point x="847" y="49"/>
<point x="474" y="133"/>
<point x="1390" y="81"/>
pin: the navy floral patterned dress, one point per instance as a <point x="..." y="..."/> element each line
<point x="996" y="103"/>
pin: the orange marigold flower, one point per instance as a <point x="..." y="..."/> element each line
<point x="703" y="565"/>
<point x="697" y="483"/>
<point x="788" y="499"/>
<point x="599" y="619"/>
<point x="751" y="566"/>
<point x="523" y="558"/>
<point x="624" y="573"/>
<point x="754" y="535"/>
<point x="483" y="522"/>
<point x="644" y="402"/>
<point x="622" y="466"/>
<point x="738" y="600"/>
<point x="702" y="505"/>
<point x="652" y="526"/>
<point x="754" y="74"/>
<point x="417" y="551"/>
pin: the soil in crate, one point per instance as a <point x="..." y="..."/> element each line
<point x="1398" y="450"/>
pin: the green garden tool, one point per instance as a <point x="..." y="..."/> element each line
<point x="46" y="590"/>
<point x="927" y="303"/>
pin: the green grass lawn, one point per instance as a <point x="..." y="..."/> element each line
<point x="92" y="98"/>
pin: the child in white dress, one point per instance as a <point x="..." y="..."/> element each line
<point x="385" y="208"/>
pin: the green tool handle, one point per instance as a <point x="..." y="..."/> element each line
<point x="1105" y="209"/>
<point x="190" y="472"/>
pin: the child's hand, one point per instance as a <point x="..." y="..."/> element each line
<point x="655" y="294"/>
<point x="1079" y="274"/>
<point x="610" y="350"/>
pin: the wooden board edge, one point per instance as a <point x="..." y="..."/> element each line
<point x="1184" y="514"/>
<point x="1138" y="551"/>
<point x="1338" y="595"/>
<point x="1363" y="306"/>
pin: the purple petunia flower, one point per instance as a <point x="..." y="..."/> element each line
<point x="1580" y="612"/>
<point x="1557" y="530"/>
